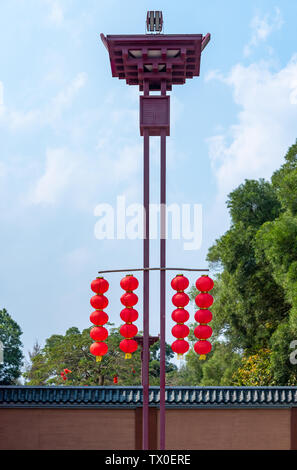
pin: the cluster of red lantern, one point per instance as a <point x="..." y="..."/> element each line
<point x="99" y="318"/>
<point x="129" y="315"/>
<point x="204" y="316"/>
<point x="180" y="315"/>
<point x="64" y="373"/>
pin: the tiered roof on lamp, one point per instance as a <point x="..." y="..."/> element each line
<point x="172" y="58"/>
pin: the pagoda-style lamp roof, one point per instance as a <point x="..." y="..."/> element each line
<point x="155" y="58"/>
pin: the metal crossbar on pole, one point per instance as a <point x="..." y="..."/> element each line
<point x="153" y="269"/>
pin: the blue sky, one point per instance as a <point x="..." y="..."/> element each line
<point x="69" y="140"/>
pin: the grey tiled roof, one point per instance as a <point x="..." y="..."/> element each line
<point x="131" y="397"/>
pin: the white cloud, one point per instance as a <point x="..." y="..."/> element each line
<point x="85" y="180"/>
<point x="60" y="168"/>
<point x="1" y="99"/>
<point x="266" y="124"/>
<point x="63" y="99"/>
<point x="2" y="170"/>
<point x="262" y="27"/>
<point x="56" y="13"/>
<point x="76" y="261"/>
<point x="1" y="94"/>
<point x="110" y="161"/>
<point x="19" y="119"/>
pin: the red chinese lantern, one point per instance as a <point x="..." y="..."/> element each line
<point x="180" y="331"/>
<point x="204" y="316"/>
<point x="99" y="318"/>
<point x="99" y="301"/>
<point x="129" y="283"/>
<point x="99" y="350"/>
<point x="180" y="315"/>
<point x="99" y="285"/>
<point x="203" y="348"/>
<point x="180" y="347"/>
<point x="99" y="333"/>
<point x="180" y="300"/>
<point x="203" y="332"/>
<point x="129" y="299"/>
<point x="115" y="379"/>
<point x="204" y="300"/>
<point x="204" y="284"/>
<point x="128" y="346"/>
<point x="128" y="330"/>
<point x="129" y="315"/>
<point x="180" y="283"/>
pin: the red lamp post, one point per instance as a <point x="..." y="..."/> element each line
<point x="154" y="62"/>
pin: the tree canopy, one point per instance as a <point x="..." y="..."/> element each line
<point x="10" y="334"/>
<point x="71" y="351"/>
<point x="255" y="309"/>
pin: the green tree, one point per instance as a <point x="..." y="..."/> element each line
<point x="10" y="334"/>
<point x="217" y="370"/>
<point x="284" y="181"/>
<point x="35" y="368"/>
<point x="249" y="302"/>
<point x="154" y="364"/>
<point x="255" y="308"/>
<point x="255" y="370"/>
<point x="276" y="241"/>
<point x="71" y="351"/>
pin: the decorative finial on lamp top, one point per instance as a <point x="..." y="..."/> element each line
<point x="154" y="22"/>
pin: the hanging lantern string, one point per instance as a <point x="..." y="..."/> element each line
<point x="180" y="300"/>
<point x="153" y="269"/>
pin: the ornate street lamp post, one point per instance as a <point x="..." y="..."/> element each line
<point x="154" y="62"/>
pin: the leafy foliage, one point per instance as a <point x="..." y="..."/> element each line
<point x="10" y="334"/>
<point x="277" y="242"/>
<point x="255" y="309"/>
<point x="255" y="370"/>
<point x="249" y="302"/>
<point x="71" y="351"/>
<point x="154" y="365"/>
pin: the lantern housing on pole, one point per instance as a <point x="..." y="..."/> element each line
<point x="203" y="331"/>
<point x="129" y="315"/>
<point x="99" y="318"/>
